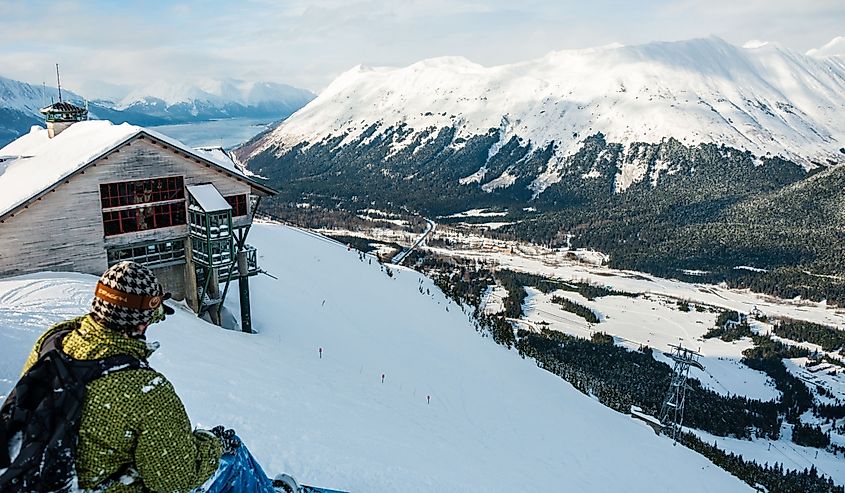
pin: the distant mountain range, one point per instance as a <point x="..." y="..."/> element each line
<point x="695" y="154"/>
<point x="157" y="104"/>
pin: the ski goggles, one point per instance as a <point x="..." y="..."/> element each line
<point x="135" y="301"/>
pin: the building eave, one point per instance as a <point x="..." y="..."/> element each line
<point x="63" y="180"/>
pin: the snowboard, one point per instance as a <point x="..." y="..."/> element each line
<point x="314" y="489"/>
<point x="286" y="484"/>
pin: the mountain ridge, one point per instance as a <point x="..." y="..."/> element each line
<point x="158" y="104"/>
<point x="698" y="91"/>
<point x="645" y="159"/>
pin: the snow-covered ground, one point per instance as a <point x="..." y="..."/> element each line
<point x="487" y="225"/>
<point x="656" y="322"/>
<point x="654" y="318"/>
<point x="559" y="264"/>
<point x="783" y="451"/>
<point x="496" y="422"/>
<point x="477" y="213"/>
<point x="493" y="299"/>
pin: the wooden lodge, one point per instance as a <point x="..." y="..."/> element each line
<point x="81" y="195"/>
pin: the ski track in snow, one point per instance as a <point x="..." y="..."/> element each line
<point x="495" y="423"/>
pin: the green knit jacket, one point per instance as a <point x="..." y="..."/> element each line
<point x="133" y="424"/>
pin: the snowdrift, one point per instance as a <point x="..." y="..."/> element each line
<point x="495" y="422"/>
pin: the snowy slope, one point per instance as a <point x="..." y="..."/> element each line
<point x="763" y="98"/>
<point x="19" y="105"/>
<point x="496" y="423"/>
<point x="29" y="98"/>
<point x="835" y="47"/>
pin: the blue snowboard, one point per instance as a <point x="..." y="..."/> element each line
<point x="314" y="489"/>
<point x="241" y="473"/>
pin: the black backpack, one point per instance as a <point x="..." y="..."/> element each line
<point x="39" y="422"/>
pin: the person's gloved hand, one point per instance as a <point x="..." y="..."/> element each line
<point x="227" y="438"/>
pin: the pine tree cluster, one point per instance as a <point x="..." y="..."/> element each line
<point x="576" y="308"/>
<point x="829" y="338"/>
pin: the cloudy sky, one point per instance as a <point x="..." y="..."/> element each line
<point x="307" y="43"/>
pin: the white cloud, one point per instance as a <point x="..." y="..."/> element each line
<point x="835" y="47"/>
<point x="308" y="42"/>
<point x="754" y="43"/>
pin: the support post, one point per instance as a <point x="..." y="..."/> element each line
<point x="243" y="285"/>
<point x="672" y="410"/>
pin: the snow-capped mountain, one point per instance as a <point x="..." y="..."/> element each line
<point x="157" y="104"/>
<point x="29" y="98"/>
<point x="216" y="99"/>
<point x="761" y="98"/>
<point x="19" y="105"/>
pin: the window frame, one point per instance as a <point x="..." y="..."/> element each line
<point x="239" y="203"/>
<point x="126" y="193"/>
<point x="165" y="252"/>
<point x="156" y="207"/>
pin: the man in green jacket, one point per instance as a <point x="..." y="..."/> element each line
<point x="134" y="434"/>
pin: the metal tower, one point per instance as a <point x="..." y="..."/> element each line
<point x="672" y="410"/>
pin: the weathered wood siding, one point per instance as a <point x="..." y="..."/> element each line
<point x="64" y="230"/>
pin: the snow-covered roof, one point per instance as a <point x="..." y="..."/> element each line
<point x="209" y="198"/>
<point x="34" y="163"/>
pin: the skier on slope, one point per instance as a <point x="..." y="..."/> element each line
<point x="133" y="433"/>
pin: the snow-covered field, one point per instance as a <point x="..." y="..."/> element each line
<point x="477" y="213"/>
<point x="558" y="264"/>
<point x="782" y="451"/>
<point x="492" y="300"/>
<point x="653" y="318"/>
<point x="656" y="322"/>
<point x="495" y="423"/>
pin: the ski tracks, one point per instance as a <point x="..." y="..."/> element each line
<point x="57" y="299"/>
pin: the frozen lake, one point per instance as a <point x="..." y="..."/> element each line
<point x="226" y="133"/>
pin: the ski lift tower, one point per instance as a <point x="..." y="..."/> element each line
<point x="672" y="410"/>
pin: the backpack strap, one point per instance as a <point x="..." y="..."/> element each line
<point x="54" y="341"/>
<point x="90" y="369"/>
<point x="120" y="362"/>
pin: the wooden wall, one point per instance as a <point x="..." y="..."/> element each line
<point x="64" y="229"/>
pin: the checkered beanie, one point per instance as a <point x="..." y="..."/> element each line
<point x="131" y="278"/>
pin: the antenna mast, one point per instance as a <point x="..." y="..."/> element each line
<point x="59" y="82"/>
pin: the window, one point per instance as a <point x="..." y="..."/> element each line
<point x="238" y="203"/>
<point x="161" y="200"/>
<point x="215" y="252"/>
<point x="199" y="250"/>
<point x="143" y="218"/>
<point x="218" y="225"/>
<point x="221" y="252"/>
<point x="142" y="191"/>
<point x="197" y="223"/>
<point x="151" y="254"/>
